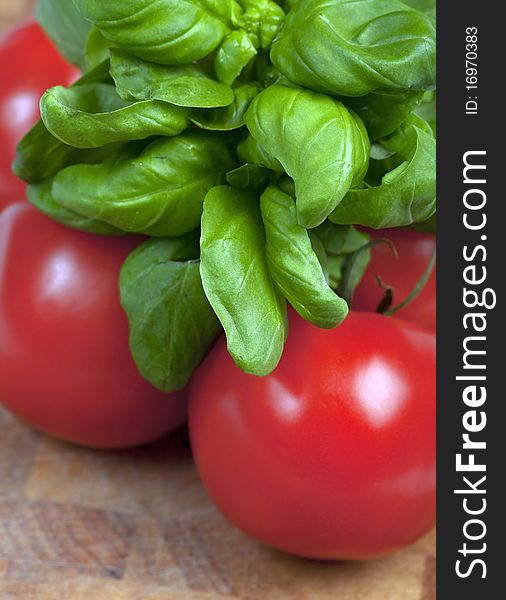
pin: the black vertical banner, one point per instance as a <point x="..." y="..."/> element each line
<point x="471" y="325"/>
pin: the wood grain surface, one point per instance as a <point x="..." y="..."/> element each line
<point x="77" y="524"/>
<point x="82" y="525"/>
<point x="12" y="11"/>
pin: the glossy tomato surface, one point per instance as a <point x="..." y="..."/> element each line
<point x="332" y="456"/>
<point x="29" y="65"/>
<point x="65" y="366"/>
<point x="402" y="274"/>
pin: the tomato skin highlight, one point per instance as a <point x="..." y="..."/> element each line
<point x="415" y="251"/>
<point x="332" y="456"/>
<point x="65" y="365"/>
<point x="29" y="65"/>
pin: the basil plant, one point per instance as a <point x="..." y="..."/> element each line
<point x="247" y="139"/>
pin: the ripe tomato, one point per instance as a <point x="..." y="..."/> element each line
<point x="29" y="65"/>
<point x="415" y="251"/>
<point x="65" y="366"/>
<point x="332" y="456"/>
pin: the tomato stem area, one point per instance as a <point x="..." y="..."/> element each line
<point x="353" y="264"/>
<point x="385" y="305"/>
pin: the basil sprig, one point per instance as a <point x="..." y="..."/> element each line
<point x="172" y="322"/>
<point x="247" y="138"/>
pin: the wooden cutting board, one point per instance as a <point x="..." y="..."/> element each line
<point x="77" y="524"/>
<point x="12" y="11"/>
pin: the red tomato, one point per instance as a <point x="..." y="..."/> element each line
<point x="333" y="455"/>
<point x="65" y="366"/>
<point x="415" y="251"/>
<point x="29" y="65"/>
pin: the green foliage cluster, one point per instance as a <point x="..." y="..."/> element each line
<point x="247" y="138"/>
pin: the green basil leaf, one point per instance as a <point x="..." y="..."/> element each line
<point x="265" y="72"/>
<point x="159" y="193"/>
<point x="335" y="265"/>
<point x="321" y="253"/>
<point x="249" y="151"/>
<point x="40" y="156"/>
<point x="340" y="239"/>
<point x="188" y="85"/>
<point x="348" y="273"/>
<point x="354" y="48"/>
<point x="262" y="19"/>
<point x="346" y="259"/>
<point x="341" y="243"/>
<point x="249" y="177"/>
<point x="93" y="115"/>
<point x="320" y="144"/>
<point x="427" y="110"/>
<point x="96" y="74"/>
<point x="407" y="194"/>
<point x="293" y="264"/>
<point x="66" y="27"/>
<point x="361" y="147"/>
<point x="384" y="112"/>
<point x="286" y="185"/>
<point x="423" y="5"/>
<point x="172" y="324"/>
<point x="380" y="166"/>
<point x="171" y="32"/>
<point x="97" y="49"/>
<point x="230" y="117"/>
<point x="233" y="55"/>
<point x="41" y="197"/>
<point x="237" y="282"/>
